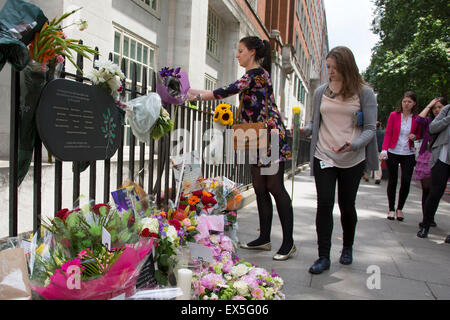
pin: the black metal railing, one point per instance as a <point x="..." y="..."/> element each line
<point x="160" y="178"/>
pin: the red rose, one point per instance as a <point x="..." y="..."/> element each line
<point x="182" y="198"/>
<point x="176" y="223"/>
<point x="145" y="233"/>
<point x="62" y="214"/>
<point x="192" y="208"/>
<point x="208" y="200"/>
<point x="182" y="206"/>
<point x="154" y="235"/>
<point x="96" y="208"/>
<point x="198" y="193"/>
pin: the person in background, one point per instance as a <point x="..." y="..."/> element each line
<point x="254" y="54"/>
<point x="377" y="174"/>
<point x="340" y="150"/>
<point x="440" y="168"/>
<point x="422" y="172"/>
<point x="398" y="149"/>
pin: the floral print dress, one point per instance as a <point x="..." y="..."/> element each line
<point x="252" y="90"/>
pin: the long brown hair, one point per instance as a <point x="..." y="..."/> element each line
<point x="352" y="81"/>
<point x="412" y="95"/>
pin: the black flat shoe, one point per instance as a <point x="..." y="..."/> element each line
<point x="391" y="217"/>
<point x="399" y="218"/>
<point x="346" y="256"/>
<point x="423" y="233"/>
<point x="320" y="265"/>
<point x="447" y="240"/>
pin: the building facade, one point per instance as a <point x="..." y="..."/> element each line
<point x="201" y="37"/>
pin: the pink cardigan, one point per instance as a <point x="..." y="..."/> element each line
<point x="393" y="131"/>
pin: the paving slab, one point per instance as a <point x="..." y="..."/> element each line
<point x="410" y="268"/>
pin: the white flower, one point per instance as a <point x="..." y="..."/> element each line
<point x="114" y="83"/>
<point x="241" y="288"/>
<point x="239" y="270"/>
<point x="214" y="297"/>
<point x="151" y="223"/>
<point x="268" y="293"/>
<point x="95" y="76"/>
<point x="82" y="24"/>
<point x="172" y="233"/>
<point x="278" y="282"/>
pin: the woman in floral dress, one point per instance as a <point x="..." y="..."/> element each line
<point x="254" y="55"/>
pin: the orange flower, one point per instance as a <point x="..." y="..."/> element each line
<point x="207" y="194"/>
<point x="193" y="200"/>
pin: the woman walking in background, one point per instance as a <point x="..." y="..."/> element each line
<point x="254" y="55"/>
<point x="398" y="149"/>
<point x="340" y="150"/>
<point x="440" y="167"/>
<point x="422" y="171"/>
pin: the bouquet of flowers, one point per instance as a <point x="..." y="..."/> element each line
<point x="229" y="278"/>
<point x="107" y="75"/>
<point x="169" y="230"/>
<point x="51" y="44"/>
<point x="90" y="253"/>
<point x="200" y="201"/>
<point x="172" y="85"/>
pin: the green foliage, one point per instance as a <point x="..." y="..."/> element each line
<point x="413" y="52"/>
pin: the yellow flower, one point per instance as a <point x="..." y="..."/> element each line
<point x="223" y="114"/>
<point x="40" y="249"/>
<point x="296" y="110"/>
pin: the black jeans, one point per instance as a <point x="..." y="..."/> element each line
<point x="407" y="164"/>
<point x="439" y="176"/>
<point x="264" y="186"/>
<point x="348" y="183"/>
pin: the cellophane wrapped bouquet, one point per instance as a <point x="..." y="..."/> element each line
<point x="91" y="253"/>
<point x="229" y="278"/>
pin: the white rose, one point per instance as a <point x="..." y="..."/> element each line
<point x="239" y="270"/>
<point x="172" y="234"/>
<point x="151" y="223"/>
<point x="241" y="288"/>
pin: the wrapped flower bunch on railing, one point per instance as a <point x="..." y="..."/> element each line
<point x="107" y="75"/>
<point x="48" y="50"/>
<point x="172" y="85"/>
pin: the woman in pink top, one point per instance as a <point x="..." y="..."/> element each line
<point x="398" y="149"/>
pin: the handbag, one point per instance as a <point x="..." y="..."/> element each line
<point x="255" y="133"/>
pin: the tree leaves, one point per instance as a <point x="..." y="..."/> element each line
<point x="413" y="53"/>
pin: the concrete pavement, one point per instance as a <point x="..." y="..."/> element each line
<point x="389" y="261"/>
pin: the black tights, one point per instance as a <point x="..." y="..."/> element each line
<point x="426" y="185"/>
<point x="264" y="186"/>
<point x="407" y="163"/>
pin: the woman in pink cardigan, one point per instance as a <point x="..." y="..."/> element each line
<point x="398" y="149"/>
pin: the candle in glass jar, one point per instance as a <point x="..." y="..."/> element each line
<point x="184" y="283"/>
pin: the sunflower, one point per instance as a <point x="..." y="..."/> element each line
<point x="223" y="114"/>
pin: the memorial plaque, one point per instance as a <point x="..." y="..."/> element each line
<point x="78" y="122"/>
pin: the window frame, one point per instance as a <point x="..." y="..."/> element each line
<point x="149" y="8"/>
<point x="217" y="26"/>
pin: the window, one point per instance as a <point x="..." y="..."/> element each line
<point x="212" y="46"/>
<point x="151" y="6"/>
<point x="131" y="49"/>
<point x="210" y="82"/>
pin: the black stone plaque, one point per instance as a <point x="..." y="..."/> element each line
<point x="78" y="122"/>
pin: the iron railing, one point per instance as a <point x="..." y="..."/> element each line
<point x="153" y="172"/>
